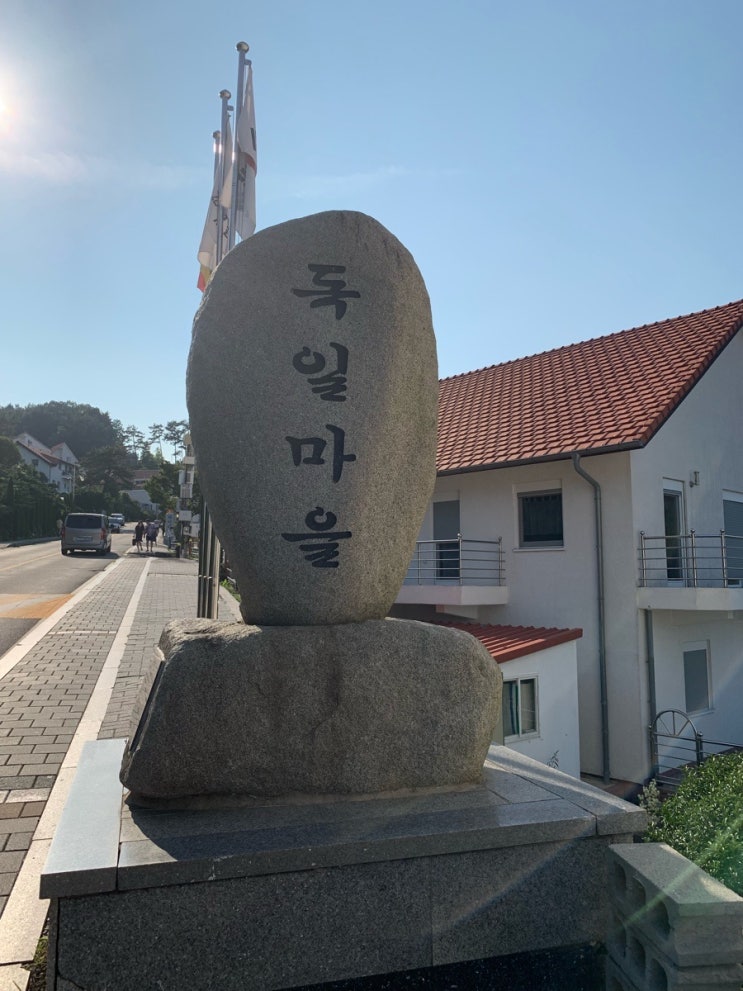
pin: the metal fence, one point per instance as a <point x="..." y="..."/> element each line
<point x="676" y="743"/>
<point x="457" y="562"/>
<point x="36" y="519"/>
<point x="691" y="559"/>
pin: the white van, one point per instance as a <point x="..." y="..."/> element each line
<point x="86" y="532"/>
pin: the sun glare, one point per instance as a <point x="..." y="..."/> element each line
<point x="6" y="115"/>
<point x="8" y="111"/>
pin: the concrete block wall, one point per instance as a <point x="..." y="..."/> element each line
<point x="674" y="926"/>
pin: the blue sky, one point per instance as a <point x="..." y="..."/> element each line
<point x="560" y="169"/>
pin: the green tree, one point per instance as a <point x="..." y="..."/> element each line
<point x="173" y="433"/>
<point x="134" y="439"/>
<point x="156" y="437"/>
<point x="9" y="453"/>
<point x="163" y="488"/>
<point x="107" y="470"/>
<point x="29" y="506"/>
<point x="704" y="819"/>
<point x="148" y="460"/>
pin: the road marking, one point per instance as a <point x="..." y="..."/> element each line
<point x="38" y="608"/>
<point x="11" y="657"/>
<point x="25" y="564"/>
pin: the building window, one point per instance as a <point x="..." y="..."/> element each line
<point x="732" y="517"/>
<point x="540" y="519"/>
<point x="696" y="677"/>
<point x="520" y="708"/>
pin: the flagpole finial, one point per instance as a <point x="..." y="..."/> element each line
<point x="225" y="94"/>
<point x="242" y="46"/>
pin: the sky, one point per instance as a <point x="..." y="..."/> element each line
<point x="559" y="169"/>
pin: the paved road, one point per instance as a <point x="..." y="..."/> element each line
<point x="36" y="580"/>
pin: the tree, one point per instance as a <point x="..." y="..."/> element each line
<point x="173" y="434"/>
<point x="107" y="470"/>
<point x="156" y="436"/>
<point x="148" y="460"/>
<point x="80" y="426"/>
<point x="29" y="506"/>
<point x="704" y="819"/>
<point x="163" y="488"/>
<point x="134" y="439"/>
<point x="9" y="453"/>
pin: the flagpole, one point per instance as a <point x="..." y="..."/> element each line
<point x="210" y="550"/>
<point x="242" y="48"/>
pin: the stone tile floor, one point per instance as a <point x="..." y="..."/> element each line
<point x="115" y="620"/>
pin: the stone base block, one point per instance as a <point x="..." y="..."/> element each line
<point x="240" y="712"/>
<point x="283" y="895"/>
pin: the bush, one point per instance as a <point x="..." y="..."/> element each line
<point x="704" y="819"/>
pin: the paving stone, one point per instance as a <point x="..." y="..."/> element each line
<point x="10" y="862"/>
<point x="18" y="841"/>
<point x="43" y="698"/>
<point x="29" y="795"/>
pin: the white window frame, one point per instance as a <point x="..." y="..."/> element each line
<point x="692" y="647"/>
<point x="530" y="734"/>
<point x="545" y="487"/>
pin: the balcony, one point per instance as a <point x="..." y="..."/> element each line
<point x="457" y="572"/>
<point x="691" y="571"/>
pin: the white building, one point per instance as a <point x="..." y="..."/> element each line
<point x="600" y="486"/>
<point x="57" y="464"/>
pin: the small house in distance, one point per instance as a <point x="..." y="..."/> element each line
<point x="57" y="464"/>
<point x="600" y="486"/>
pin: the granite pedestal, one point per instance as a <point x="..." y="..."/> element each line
<point x="274" y="895"/>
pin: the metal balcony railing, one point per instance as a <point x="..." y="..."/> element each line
<point x="457" y="562"/>
<point x="692" y="560"/>
<point x="676" y="744"/>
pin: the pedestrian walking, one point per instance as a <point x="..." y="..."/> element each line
<point x="138" y="534"/>
<point x="151" y="537"/>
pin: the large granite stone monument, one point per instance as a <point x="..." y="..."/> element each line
<point x="319" y="806"/>
<point x="312" y="393"/>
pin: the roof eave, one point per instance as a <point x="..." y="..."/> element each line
<point x="562" y="456"/>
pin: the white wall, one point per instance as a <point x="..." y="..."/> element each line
<point x="703" y="435"/>
<point x="556" y="671"/>
<point x="557" y="587"/>
<point x="724" y="633"/>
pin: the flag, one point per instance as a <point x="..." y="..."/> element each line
<point x="208" y="248"/>
<point x="228" y="158"/>
<point x="247" y="163"/>
<point x="215" y="215"/>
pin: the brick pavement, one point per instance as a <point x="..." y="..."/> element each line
<point x="44" y="695"/>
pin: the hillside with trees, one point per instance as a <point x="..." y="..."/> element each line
<point x="80" y="426"/>
<point x="108" y="453"/>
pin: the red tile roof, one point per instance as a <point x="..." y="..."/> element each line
<point x="504" y="643"/>
<point x="607" y="394"/>
<point x="44" y="455"/>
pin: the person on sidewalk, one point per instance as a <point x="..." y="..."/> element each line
<point x="151" y="537"/>
<point x="138" y="534"/>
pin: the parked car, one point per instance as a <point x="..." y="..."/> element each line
<point x="116" y="522"/>
<point x="86" y="532"/>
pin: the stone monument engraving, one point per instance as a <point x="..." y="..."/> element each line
<point x="312" y="392"/>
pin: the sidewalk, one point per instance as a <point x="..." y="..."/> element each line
<point x="72" y="678"/>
